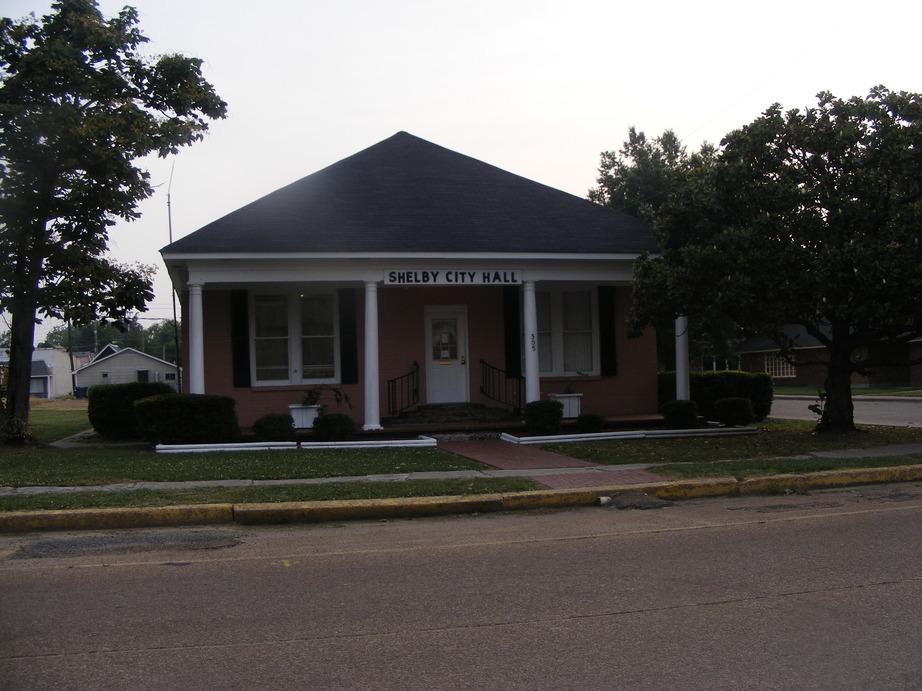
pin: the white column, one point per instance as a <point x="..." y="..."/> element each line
<point x="196" y="340"/>
<point x="682" y="385"/>
<point x="372" y="385"/>
<point x="530" y="314"/>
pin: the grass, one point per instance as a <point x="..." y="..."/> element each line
<point x="774" y="438"/>
<point x="236" y="495"/>
<point x="745" y="456"/>
<point x="745" y="469"/>
<point x="98" y="466"/>
<point x="54" y="420"/>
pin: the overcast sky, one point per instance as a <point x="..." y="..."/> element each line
<point x="535" y="87"/>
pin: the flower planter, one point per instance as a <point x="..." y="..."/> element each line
<point x="304" y="415"/>
<point x="570" y="401"/>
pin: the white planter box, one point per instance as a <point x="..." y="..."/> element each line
<point x="304" y="415"/>
<point x="571" y="403"/>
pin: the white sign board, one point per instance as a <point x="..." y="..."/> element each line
<point x="452" y="277"/>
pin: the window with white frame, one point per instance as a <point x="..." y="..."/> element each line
<point x="567" y="333"/>
<point x="778" y="367"/>
<point x="294" y="338"/>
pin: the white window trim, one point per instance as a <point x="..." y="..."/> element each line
<point x="294" y="338"/>
<point x="778" y="367"/>
<point x="556" y="299"/>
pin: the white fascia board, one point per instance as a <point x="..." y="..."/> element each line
<point x="448" y="256"/>
<point x="289" y="269"/>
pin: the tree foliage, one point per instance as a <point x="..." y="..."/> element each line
<point x="809" y="217"/>
<point x="638" y="179"/>
<point x="79" y="103"/>
<point x="157" y="338"/>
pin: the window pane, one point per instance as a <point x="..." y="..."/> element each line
<point x="577" y="311"/>
<point x="577" y="352"/>
<point x="545" y="353"/>
<point x="317" y="315"/>
<point x="445" y="339"/>
<point x="543" y="308"/>
<point x="271" y="337"/>
<point x="271" y="316"/>
<point x="317" y="358"/>
<point x="271" y="359"/>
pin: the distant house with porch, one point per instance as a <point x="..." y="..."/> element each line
<point x="410" y="274"/>
<point x="50" y="373"/>
<point x="805" y="366"/>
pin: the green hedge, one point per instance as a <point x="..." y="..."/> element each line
<point x="176" y="418"/>
<point x="709" y="387"/>
<point x="543" y="417"/>
<point x="333" y="427"/>
<point x="680" y="414"/>
<point x="733" y="412"/>
<point x="110" y="407"/>
<point x="274" y="427"/>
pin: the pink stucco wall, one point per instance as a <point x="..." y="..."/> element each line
<point x="402" y="341"/>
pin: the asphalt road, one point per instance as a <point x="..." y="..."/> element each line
<point x="821" y="591"/>
<point x="896" y="412"/>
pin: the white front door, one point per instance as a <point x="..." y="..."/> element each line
<point x="446" y="354"/>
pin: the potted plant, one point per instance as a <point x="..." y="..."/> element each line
<point x="569" y="399"/>
<point x="310" y="407"/>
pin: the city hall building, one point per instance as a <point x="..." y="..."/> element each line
<point x="409" y="274"/>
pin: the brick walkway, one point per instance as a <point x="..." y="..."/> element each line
<point x="519" y="457"/>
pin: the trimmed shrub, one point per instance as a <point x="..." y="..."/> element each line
<point x="543" y="417"/>
<point x="274" y="427"/>
<point x="182" y="418"/>
<point x="589" y="423"/>
<point x="110" y="407"/>
<point x="334" y="427"/>
<point x="709" y="387"/>
<point x="734" y="411"/>
<point x="680" y="414"/>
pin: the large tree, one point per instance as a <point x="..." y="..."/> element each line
<point x="79" y="103"/>
<point x="638" y="179"/>
<point x="808" y="217"/>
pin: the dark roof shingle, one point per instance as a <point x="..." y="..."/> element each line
<point x="408" y="195"/>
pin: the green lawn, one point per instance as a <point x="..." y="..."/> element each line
<point x="54" y="420"/>
<point x="757" y="454"/>
<point x="774" y="438"/>
<point x="237" y="495"/>
<point x="742" y="470"/>
<point x="98" y="466"/>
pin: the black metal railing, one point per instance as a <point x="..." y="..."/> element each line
<point x="499" y="386"/>
<point x="403" y="391"/>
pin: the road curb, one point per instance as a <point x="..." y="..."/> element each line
<point x="136" y="517"/>
<point x="415" y="507"/>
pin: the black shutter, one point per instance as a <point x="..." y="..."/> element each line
<point x="512" y="336"/>
<point x="608" y="357"/>
<point x="348" y="338"/>
<point x="240" y="338"/>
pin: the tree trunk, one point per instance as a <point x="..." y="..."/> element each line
<point x="22" y="334"/>
<point x="838" y="411"/>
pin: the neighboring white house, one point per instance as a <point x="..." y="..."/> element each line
<point x="114" y="366"/>
<point x="51" y="372"/>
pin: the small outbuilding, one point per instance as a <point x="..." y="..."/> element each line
<point x="409" y="274"/>
<point x="114" y="365"/>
